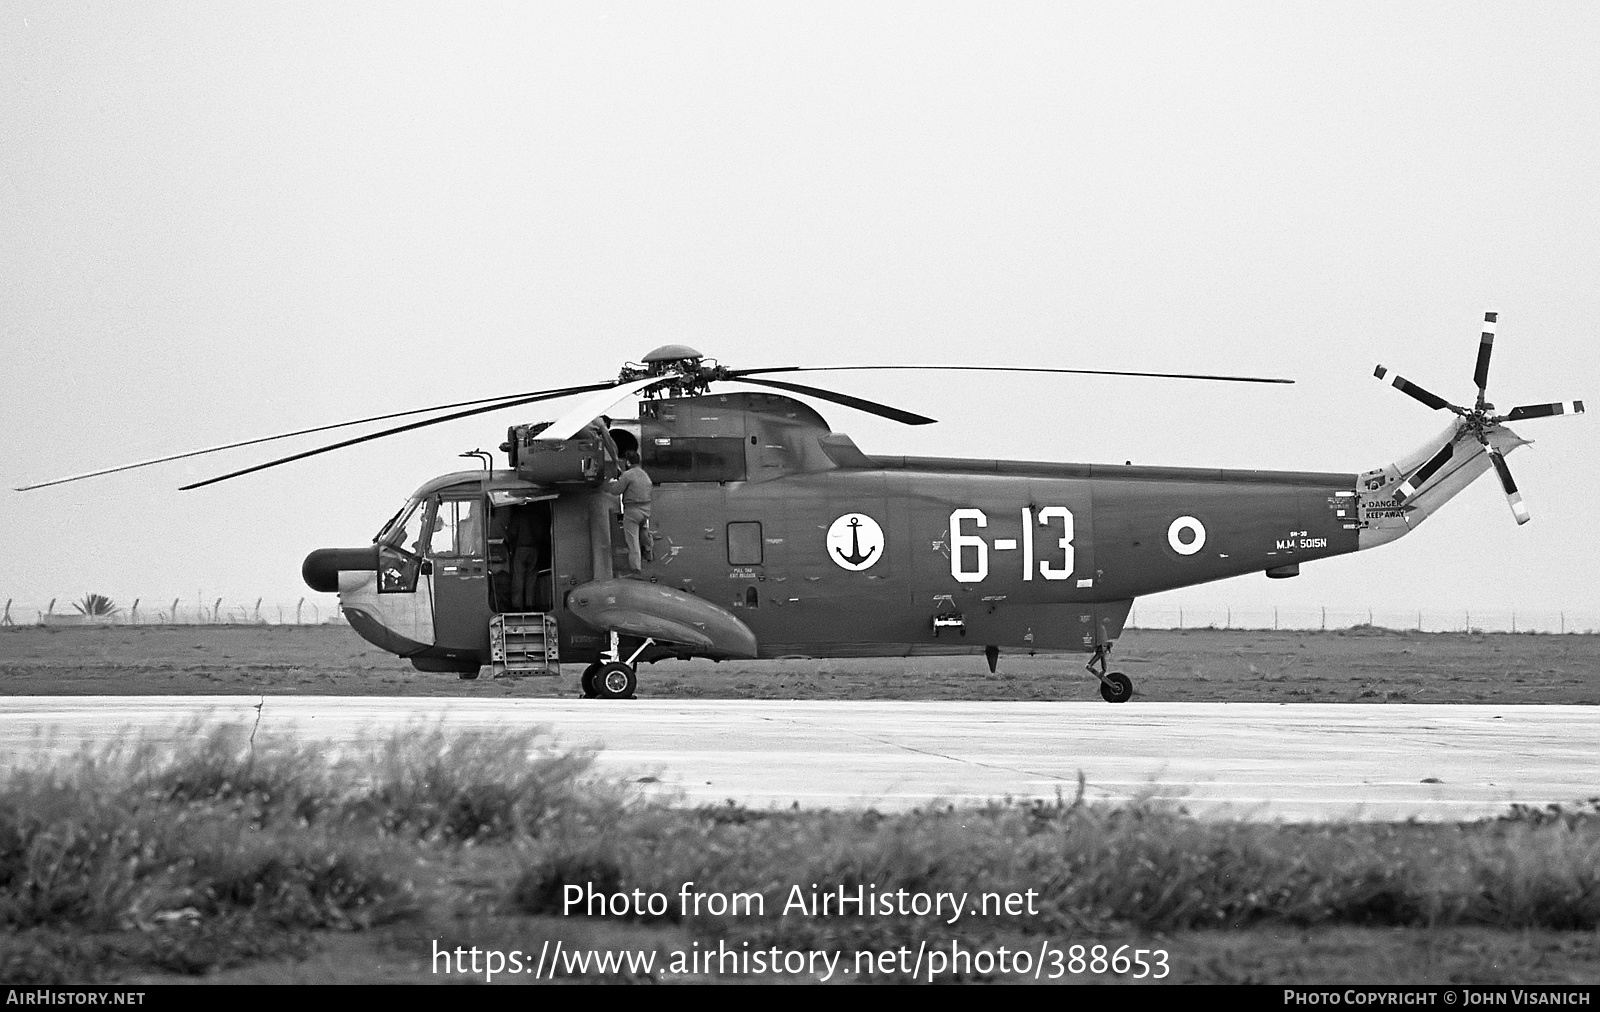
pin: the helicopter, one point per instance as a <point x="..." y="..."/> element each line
<point x="772" y="535"/>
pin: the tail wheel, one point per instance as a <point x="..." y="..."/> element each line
<point x="1116" y="688"/>
<point x="615" y="680"/>
<point x="587" y="682"/>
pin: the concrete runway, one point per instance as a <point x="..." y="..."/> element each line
<point x="1246" y="760"/>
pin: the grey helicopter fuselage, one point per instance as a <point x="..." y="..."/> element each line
<point x="772" y="536"/>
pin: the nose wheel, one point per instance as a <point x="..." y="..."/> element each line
<point x="1115" y="687"/>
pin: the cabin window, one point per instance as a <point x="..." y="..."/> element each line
<point x="744" y="544"/>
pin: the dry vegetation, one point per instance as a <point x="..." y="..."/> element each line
<point x="249" y="862"/>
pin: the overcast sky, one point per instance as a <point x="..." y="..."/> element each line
<point x="228" y="220"/>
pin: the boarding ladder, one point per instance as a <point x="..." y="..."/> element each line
<point x="524" y="643"/>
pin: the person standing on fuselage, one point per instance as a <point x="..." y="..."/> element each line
<point x="634" y="487"/>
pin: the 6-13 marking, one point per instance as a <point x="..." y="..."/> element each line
<point x="1046" y="567"/>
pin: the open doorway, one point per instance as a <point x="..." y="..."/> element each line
<point x="520" y="558"/>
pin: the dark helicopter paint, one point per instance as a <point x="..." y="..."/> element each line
<point x="772" y="535"/>
<point x="968" y="554"/>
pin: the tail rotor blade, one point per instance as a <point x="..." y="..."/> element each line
<point x="1409" y="487"/>
<point x="860" y="404"/>
<point x="1480" y="375"/>
<point x="1405" y="386"/>
<point x="1513" y="497"/>
<point x="1543" y="410"/>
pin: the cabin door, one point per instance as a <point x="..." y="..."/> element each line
<point x="458" y="556"/>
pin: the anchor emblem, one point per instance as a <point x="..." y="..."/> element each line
<point x="855" y="558"/>
<point x="863" y="537"/>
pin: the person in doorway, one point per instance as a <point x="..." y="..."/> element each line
<point x="523" y="534"/>
<point x="634" y="487"/>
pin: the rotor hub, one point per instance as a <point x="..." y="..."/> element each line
<point x="683" y="370"/>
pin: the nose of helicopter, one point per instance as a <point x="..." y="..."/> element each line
<point x="322" y="567"/>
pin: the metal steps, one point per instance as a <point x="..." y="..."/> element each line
<point x="524" y="643"/>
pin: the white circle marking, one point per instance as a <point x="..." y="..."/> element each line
<point x="1182" y="524"/>
<point x="855" y="542"/>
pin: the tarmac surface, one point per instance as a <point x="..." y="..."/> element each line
<point x="1263" y="761"/>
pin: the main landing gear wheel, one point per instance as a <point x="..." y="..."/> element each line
<point x="587" y="683"/>
<point x="467" y="676"/>
<point x="615" y="680"/>
<point x="1116" y="688"/>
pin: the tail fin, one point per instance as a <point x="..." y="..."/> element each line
<point x="1396" y="498"/>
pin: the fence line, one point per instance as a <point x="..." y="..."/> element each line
<point x="178" y="611"/>
<point x="1508" y="620"/>
<point x="305" y="611"/>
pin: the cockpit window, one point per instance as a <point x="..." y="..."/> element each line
<point x="411" y="540"/>
<point x="457" y="528"/>
<point x="389" y="525"/>
<point x="404" y="529"/>
<point x="400" y="550"/>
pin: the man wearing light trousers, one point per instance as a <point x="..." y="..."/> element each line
<point x="634" y="487"/>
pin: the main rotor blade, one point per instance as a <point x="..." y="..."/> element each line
<point x="587" y="410"/>
<point x="1543" y="410"/>
<point x="1506" y="482"/>
<point x="1407" y="387"/>
<point x="1409" y="487"/>
<point x="860" y="404"/>
<point x="542" y="396"/>
<point x="268" y="439"/>
<point x="1010" y="368"/>
<point x="1480" y="375"/>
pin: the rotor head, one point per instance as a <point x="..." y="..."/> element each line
<point x="683" y="370"/>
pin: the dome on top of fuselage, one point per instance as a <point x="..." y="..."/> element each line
<point x="672" y="353"/>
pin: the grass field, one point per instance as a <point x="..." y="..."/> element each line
<point x="1200" y="665"/>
